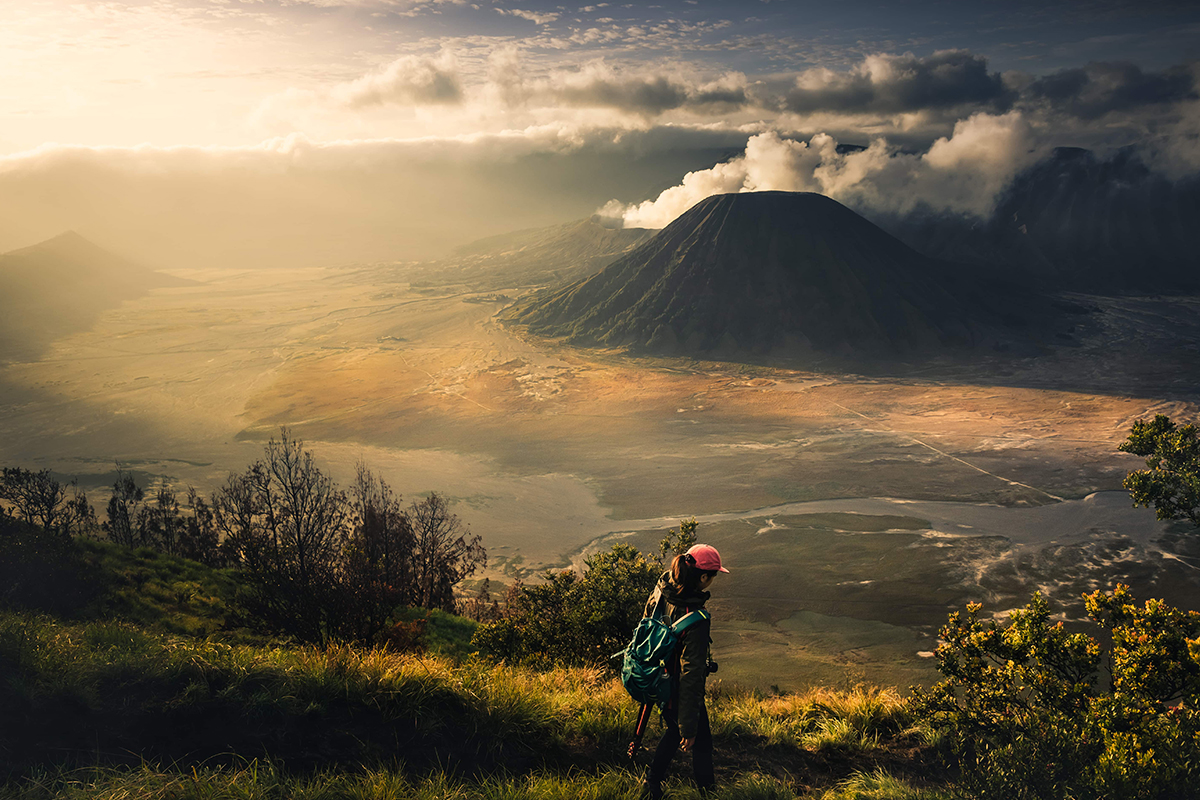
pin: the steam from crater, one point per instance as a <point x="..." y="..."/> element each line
<point x="961" y="173"/>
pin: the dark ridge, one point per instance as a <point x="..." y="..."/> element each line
<point x="1074" y="222"/>
<point x="61" y="286"/>
<point x="777" y="272"/>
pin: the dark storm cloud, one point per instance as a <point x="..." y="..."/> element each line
<point x="892" y="84"/>
<point x="720" y="98"/>
<point x="601" y="86"/>
<point x="637" y="95"/>
<point x="1100" y="88"/>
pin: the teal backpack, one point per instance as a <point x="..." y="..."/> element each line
<point x="644" y="673"/>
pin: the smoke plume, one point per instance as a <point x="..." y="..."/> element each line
<point x="961" y="173"/>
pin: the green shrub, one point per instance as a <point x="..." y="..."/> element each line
<point x="43" y="568"/>
<point x="1025" y="712"/>
<point x="573" y="619"/>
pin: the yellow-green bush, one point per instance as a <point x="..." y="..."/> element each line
<point x="1026" y="711"/>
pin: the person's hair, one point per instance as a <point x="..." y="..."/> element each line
<point x="685" y="574"/>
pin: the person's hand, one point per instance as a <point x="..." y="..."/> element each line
<point x="686" y="744"/>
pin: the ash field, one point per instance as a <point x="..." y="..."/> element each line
<point x="856" y="508"/>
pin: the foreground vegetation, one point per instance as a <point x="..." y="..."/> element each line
<point x="129" y="672"/>
<point x="258" y="781"/>
<point x="315" y="561"/>
<point x="111" y="692"/>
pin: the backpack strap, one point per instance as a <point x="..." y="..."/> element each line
<point x="690" y="619"/>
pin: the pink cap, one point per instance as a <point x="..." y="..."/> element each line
<point x="707" y="557"/>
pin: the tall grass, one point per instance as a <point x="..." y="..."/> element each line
<point x="95" y="662"/>
<point x="263" y="781"/>
<point x="340" y="720"/>
<point x="858" y="719"/>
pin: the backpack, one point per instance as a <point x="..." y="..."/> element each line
<point x="644" y="673"/>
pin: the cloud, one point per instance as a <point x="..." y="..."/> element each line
<point x="891" y="84"/>
<point x="292" y="201"/>
<point x="599" y="85"/>
<point x="1101" y="88"/>
<point x="962" y="173"/>
<point x="537" y="18"/>
<point x="409" y="80"/>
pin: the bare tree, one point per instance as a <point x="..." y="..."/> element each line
<point x="124" y="506"/>
<point x="378" y="558"/>
<point x="286" y="524"/>
<point x="39" y="499"/>
<point x="445" y="553"/>
<point x="199" y="540"/>
<point x="161" y="523"/>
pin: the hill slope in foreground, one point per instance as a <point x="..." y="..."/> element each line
<point x="149" y="690"/>
<point x="60" y="286"/>
<point x="779" y="272"/>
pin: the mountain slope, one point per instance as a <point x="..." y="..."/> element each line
<point x="60" y="286"/>
<point x="1078" y="223"/>
<point x="770" y="271"/>
<point x="532" y="257"/>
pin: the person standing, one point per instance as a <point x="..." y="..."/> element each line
<point x="684" y="588"/>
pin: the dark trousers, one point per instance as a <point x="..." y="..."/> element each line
<point x="702" y="749"/>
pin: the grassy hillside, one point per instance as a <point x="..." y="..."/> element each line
<point x="154" y="690"/>
<point x="112" y="694"/>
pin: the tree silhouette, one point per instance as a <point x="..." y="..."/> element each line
<point x="445" y="552"/>
<point x="286" y="524"/>
<point x="378" y="558"/>
<point x="38" y="499"/>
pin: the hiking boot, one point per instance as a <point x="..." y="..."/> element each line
<point x="651" y="791"/>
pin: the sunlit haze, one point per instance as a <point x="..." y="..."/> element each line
<point x="320" y="131"/>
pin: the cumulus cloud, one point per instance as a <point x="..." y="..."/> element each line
<point x="962" y="173"/>
<point x="911" y="100"/>
<point x="891" y="84"/>
<point x="597" y="84"/>
<point x="537" y="18"/>
<point x="410" y="80"/>
<point x="1101" y="88"/>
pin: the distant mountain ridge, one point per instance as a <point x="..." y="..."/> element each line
<point x="532" y="257"/>
<point x="61" y="286"/>
<point x="1076" y="222"/>
<point x="765" y="272"/>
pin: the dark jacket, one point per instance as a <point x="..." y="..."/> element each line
<point x="692" y="664"/>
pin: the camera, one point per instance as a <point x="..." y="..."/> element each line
<point x="712" y="667"/>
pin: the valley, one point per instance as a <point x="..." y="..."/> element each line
<point x="861" y="507"/>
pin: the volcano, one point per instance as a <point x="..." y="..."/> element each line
<point x="788" y="272"/>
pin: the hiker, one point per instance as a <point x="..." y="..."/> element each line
<point x="684" y="587"/>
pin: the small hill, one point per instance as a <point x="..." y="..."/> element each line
<point x="768" y="272"/>
<point x="537" y="256"/>
<point x="61" y="286"/>
<point x="1076" y="222"/>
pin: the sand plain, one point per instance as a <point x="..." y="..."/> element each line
<point x="548" y="451"/>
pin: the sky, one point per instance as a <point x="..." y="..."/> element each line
<point x="190" y="133"/>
